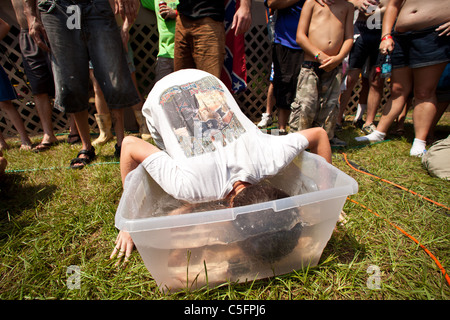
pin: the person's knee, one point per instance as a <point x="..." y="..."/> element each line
<point x="377" y="83"/>
<point x="128" y="143"/>
<point x="352" y="78"/>
<point x="424" y="94"/>
<point x="315" y="135"/>
<point x="398" y="90"/>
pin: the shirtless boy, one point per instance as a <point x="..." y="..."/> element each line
<point x="326" y="35"/>
<point x="420" y="51"/>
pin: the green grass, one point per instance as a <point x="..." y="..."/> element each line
<point x="52" y="217"/>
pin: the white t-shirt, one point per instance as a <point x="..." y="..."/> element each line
<point x="208" y="142"/>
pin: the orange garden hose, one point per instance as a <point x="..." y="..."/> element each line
<point x="436" y="261"/>
<point x="394" y="184"/>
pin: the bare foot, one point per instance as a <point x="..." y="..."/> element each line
<point x="25" y="146"/>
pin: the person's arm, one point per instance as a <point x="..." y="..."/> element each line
<point x="332" y="62"/>
<point x="242" y="19"/>
<point x="128" y="9"/>
<point x="134" y="152"/>
<point x="35" y="26"/>
<point x="280" y="4"/>
<point x="4" y="28"/>
<point x="125" y="31"/>
<point x="444" y="29"/>
<point x="362" y="5"/>
<point x="390" y="16"/>
<point x="167" y="13"/>
<point x="303" y="27"/>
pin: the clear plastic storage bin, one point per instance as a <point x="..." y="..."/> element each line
<point x="190" y="250"/>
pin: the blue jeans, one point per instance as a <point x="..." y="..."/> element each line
<point x="80" y="31"/>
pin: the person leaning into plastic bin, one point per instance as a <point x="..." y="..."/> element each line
<point x="206" y="148"/>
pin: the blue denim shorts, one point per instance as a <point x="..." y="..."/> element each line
<point x="421" y="48"/>
<point x="365" y="46"/>
<point x="7" y="91"/>
<point x="81" y="31"/>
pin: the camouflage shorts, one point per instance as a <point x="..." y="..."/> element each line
<point x="316" y="103"/>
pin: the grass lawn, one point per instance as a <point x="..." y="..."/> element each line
<point x="52" y="218"/>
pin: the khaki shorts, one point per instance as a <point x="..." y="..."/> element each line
<point x="316" y="102"/>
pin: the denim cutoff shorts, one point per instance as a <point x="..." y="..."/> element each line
<point x="420" y="48"/>
<point x="82" y="31"/>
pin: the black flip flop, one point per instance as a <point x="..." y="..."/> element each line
<point x="79" y="163"/>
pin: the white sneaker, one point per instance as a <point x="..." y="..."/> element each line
<point x="266" y="120"/>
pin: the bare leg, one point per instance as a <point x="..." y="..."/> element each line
<point x="402" y="117"/>
<point x="3" y="162"/>
<point x="318" y="142"/>
<point x="138" y="106"/>
<point x="103" y="116"/>
<point x="17" y="122"/>
<point x="81" y="120"/>
<point x="270" y="99"/>
<point x="283" y="118"/>
<point x="425" y="83"/>
<point x="441" y="107"/>
<point x="119" y="127"/>
<point x="44" y="109"/>
<point x="362" y="102"/>
<point x="374" y="97"/>
<point x="401" y="87"/>
<point x="3" y="144"/>
<point x="352" y="79"/>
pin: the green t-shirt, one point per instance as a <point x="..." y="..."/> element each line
<point x="166" y="28"/>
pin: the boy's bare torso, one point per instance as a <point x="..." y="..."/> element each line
<point x="327" y="27"/>
<point x="420" y="14"/>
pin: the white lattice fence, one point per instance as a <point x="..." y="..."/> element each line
<point x="11" y="61"/>
<point x="144" y="42"/>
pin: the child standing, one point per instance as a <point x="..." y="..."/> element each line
<point x="326" y="35"/>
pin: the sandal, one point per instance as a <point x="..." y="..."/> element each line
<point x="79" y="163"/>
<point x="73" y="138"/>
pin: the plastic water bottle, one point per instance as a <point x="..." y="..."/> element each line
<point x="386" y="66"/>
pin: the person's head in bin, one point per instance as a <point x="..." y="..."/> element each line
<point x="268" y="235"/>
<point x="124" y="244"/>
<point x="162" y="160"/>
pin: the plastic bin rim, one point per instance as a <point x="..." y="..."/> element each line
<point x="229" y="214"/>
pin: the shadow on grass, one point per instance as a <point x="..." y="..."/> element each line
<point x="344" y="247"/>
<point x="16" y="196"/>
